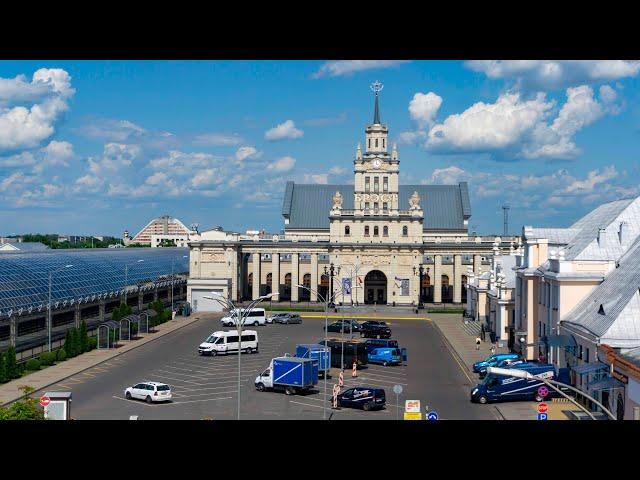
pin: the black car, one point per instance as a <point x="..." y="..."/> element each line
<point x="366" y="398"/>
<point x="288" y="318"/>
<point x="348" y="325"/>
<point x="374" y="329"/>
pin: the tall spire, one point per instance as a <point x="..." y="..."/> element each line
<point x="376" y="87"/>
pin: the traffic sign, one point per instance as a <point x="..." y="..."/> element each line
<point x="432" y="415"/>
<point x="397" y="389"/>
<point x="542" y="408"/>
<point x="542" y="416"/>
<point x="412" y="416"/>
<point x="44" y="400"/>
<point x="412" y="406"/>
<point x="543" y="391"/>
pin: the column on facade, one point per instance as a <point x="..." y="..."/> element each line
<point x="76" y="316"/>
<point x="13" y="331"/>
<point x="457" y="278"/>
<point x="275" y="275"/>
<point x="234" y="275"/>
<point x="314" y="277"/>
<point x="477" y="263"/>
<point x="295" y="268"/>
<point x="256" y="275"/>
<point x="437" y="278"/>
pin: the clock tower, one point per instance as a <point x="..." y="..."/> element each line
<point x="376" y="171"/>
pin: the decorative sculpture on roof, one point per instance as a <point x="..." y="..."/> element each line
<point x="337" y="200"/>
<point x="414" y="201"/>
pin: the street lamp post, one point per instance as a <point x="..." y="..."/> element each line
<point x="507" y="372"/>
<point x="49" y="306"/>
<point x="332" y="271"/>
<point x="326" y="339"/>
<point x="241" y="317"/>
<point x="420" y="272"/>
<point x="126" y="277"/>
<point x="173" y="260"/>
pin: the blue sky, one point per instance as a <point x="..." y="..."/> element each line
<point x="97" y="147"/>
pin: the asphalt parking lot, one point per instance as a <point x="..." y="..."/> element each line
<point x="206" y="387"/>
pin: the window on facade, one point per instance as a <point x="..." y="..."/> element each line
<point x="445" y="280"/>
<point x="306" y="280"/>
<point x="586" y="356"/>
<point x="376" y="184"/>
<point x="347" y="230"/>
<point x="376" y="143"/>
<point x="385" y="206"/>
<point x="287" y="279"/>
<point x="375" y="231"/>
<point x="383" y="143"/>
<point x="385" y="231"/>
<point x="366" y="205"/>
<point x="375" y="206"/>
<point x="269" y="279"/>
<point x="405" y="231"/>
<point x="369" y="143"/>
<point x="366" y="184"/>
<point x="366" y="230"/>
<point x="385" y="184"/>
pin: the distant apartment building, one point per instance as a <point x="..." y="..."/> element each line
<point x="168" y="227"/>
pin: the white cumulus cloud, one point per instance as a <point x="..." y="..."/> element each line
<point x="348" y="67"/>
<point x="247" y="152"/>
<point x="423" y="108"/>
<point x="284" y="130"/>
<point x="283" y="164"/>
<point x="218" y="139"/>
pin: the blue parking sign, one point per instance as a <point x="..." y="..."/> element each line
<point x="542" y="416"/>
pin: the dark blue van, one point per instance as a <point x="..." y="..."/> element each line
<point x="366" y="398"/>
<point x="498" y="388"/>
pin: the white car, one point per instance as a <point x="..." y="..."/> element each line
<point x="149" y="392"/>
<point x="255" y="317"/>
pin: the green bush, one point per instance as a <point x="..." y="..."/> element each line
<point x="92" y="343"/>
<point x="61" y="355"/>
<point x="47" y="358"/>
<point x="33" y="364"/>
<point x="25" y="409"/>
<point x="12" y="370"/>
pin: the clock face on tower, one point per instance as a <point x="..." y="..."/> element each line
<point x="376" y="163"/>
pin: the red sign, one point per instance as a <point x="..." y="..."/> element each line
<point x="44" y="400"/>
<point x="542" y="408"/>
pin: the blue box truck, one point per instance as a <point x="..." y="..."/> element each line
<point x="499" y="388"/>
<point x="319" y="353"/>
<point x="291" y="374"/>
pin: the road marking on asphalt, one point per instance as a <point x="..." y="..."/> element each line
<point x="142" y="402"/>
<point x="181" y="390"/>
<point x="345" y="410"/>
<point x="196" y="401"/>
<point x="200" y="377"/>
<point x="203" y="394"/>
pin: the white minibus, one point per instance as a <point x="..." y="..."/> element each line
<point x="255" y="317"/>
<point x="227" y="342"/>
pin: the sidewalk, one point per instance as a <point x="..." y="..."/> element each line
<point x="461" y="338"/>
<point x="10" y="392"/>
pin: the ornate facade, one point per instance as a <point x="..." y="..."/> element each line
<point x="380" y="237"/>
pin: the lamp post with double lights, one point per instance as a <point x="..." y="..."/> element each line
<point x="173" y="261"/>
<point x="49" y="321"/>
<point x="326" y="301"/>
<point x="353" y="274"/>
<point x="126" y="277"/>
<point x="420" y="271"/>
<point x="332" y="271"/>
<point x="241" y="317"/>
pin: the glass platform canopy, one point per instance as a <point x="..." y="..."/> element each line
<point x="95" y="273"/>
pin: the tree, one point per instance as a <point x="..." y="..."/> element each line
<point x="11" y="368"/>
<point x="24" y="409"/>
<point x="68" y="344"/>
<point x="84" y="337"/>
<point x="75" y="339"/>
<point x="3" y="371"/>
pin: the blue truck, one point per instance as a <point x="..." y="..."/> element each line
<point x="319" y="353"/>
<point x="291" y="374"/>
<point x="499" y="388"/>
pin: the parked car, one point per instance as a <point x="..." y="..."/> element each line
<point x="348" y="325"/>
<point x="507" y="362"/>
<point x="288" y="318"/>
<point x="374" y="329"/>
<point x="493" y="360"/>
<point x="366" y="398"/>
<point x="272" y="318"/>
<point x="149" y="392"/>
<point x="344" y="353"/>
<point x="386" y="356"/>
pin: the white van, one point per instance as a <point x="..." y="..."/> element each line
<point x="226" y="342"/>
<point x="255" y="317"/>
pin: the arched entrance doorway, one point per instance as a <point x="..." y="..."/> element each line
<point x="375" y="287"/>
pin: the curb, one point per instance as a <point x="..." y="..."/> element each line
<point x="99" y="363"/>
